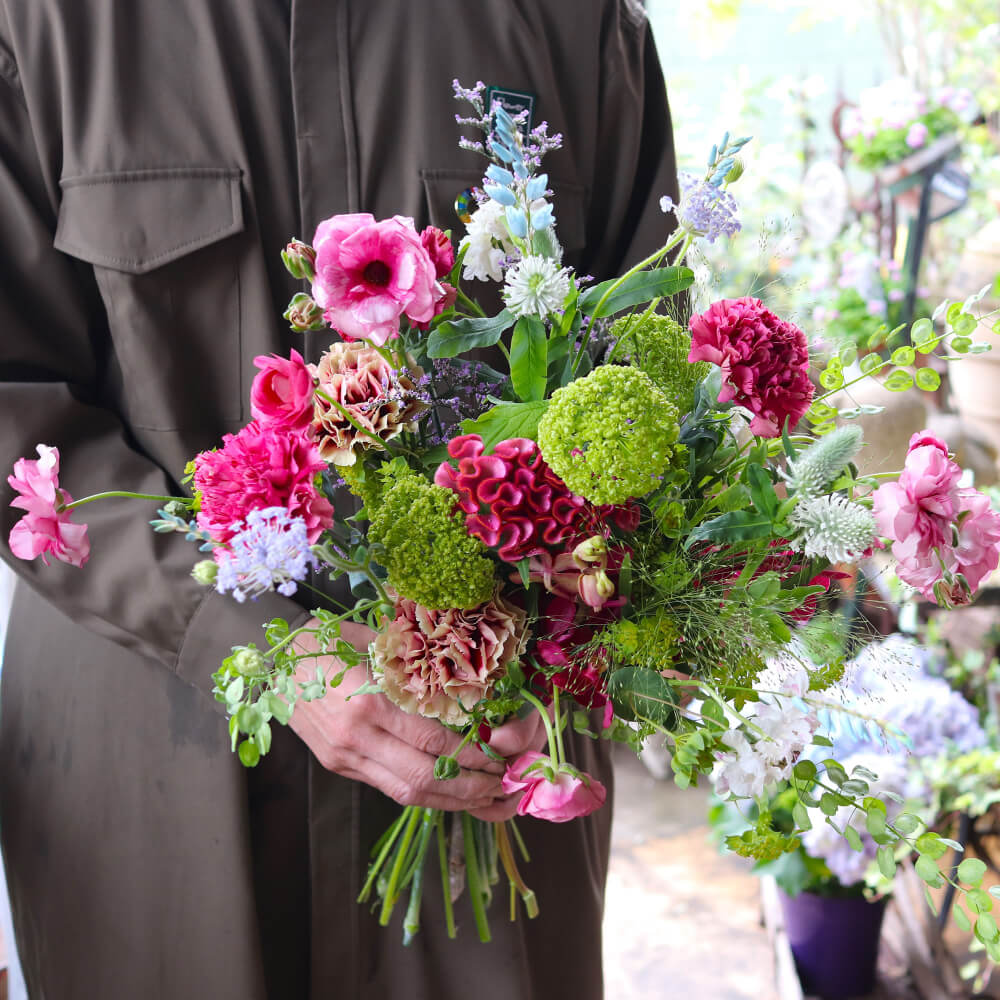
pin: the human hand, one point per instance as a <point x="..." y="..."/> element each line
<point x="370" y="739"/>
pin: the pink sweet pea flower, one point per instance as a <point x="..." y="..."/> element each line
<point x="551" y="793"/>
<point x="370" y="273"/>
<point x="916" y="135"/>
<point x="45" y="528"/>
<point x="978" y="549"/>
<point x="282" y="394"/>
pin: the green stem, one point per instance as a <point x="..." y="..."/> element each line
<point x="558" y="725"/>
<point x="472" y="873"/>
<point x="388" y="839"/>
<point x="470" y="303"/>
<point x="553" y="745"/>
<point x="392" y="889"/>
<point x="449" y="911"/>
<point x="411" y="922"/>
<point x="121" y="493"/>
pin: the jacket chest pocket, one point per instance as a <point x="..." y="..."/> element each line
<point x="169" y="275"/>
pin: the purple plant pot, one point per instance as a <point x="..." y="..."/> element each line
<point x="835" y="943"/>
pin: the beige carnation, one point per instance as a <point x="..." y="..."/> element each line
<point x="378" y="398"/>
<point x="441" y="663"/>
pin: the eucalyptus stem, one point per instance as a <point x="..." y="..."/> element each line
<point x="474" y="876"/>
<point x="61" y="508"/>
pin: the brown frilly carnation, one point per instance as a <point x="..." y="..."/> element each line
<point x="378" y="398"/>
<point x="441" y="663"/>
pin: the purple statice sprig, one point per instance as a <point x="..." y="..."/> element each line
<point x="461" y="390"/>
<point x="271" y="552"/>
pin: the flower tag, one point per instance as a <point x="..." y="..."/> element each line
<point x="513" y="102"/>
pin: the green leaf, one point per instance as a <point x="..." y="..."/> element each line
<point x="804" y="770"/>
<point x="954" y="311"/>
<point x="831" y="380"/>
<point x="986" y="928"/>
<point x="762" y="490"/>
<point x="971" y="871"/>
<point x="822" y="741"/>
<point x="927" y="869"/>
<point x="886" y="862"/>
<point x="927" y="379"/>
<point x="835" y="771"/>
<point x="978" y="901"/>
<point x="964" y="324"/>
<point x="922" y="336"/>
<point x="637" y="289"/>
<point x="262" y="738"/>
<point x="279" y="709"/>
<point x="930" y="844"/>
<point x="869" y="363"/>
<point x="507" y="420"/>
<point x="528" y="358"/>
<point x="960" y="345"/>
<point x="736" y="526"/>
<point x="249" y="754"/>
<point x="856" y="786"/>
<point x="907" y="823"/>
<point x="454" y="338"/>
<point x="898" y="380"/>
<point x="875" y="823"/>
<point x="639" y="693"/>
<point x="847" y="355"/>
<point x="903" y="356"/>
<point x="801" y="816"/>
<point x="853" y="838"/>
<point x="980" y="348"/>
<point x="961" y="919"/>
<point x="829" y="804"/>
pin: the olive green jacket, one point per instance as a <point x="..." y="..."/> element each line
<point x="155" y="156"/>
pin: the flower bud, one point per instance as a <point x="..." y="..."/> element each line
<point x="304" y="314"/>
<point x="249" y="662"/>
<point x="445" y="768"/>
<point x="605" y="585"/>
<point x="300" y="260"/>
<point x="594" y="549"/>
<point x="205" y="572"/>
<point x="735" y="171"/>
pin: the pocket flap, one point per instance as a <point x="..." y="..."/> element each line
<point x="137" y="220"/>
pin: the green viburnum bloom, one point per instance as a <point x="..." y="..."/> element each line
<point x="659" y="346"/>
<point x="609" y="436"/>
<point x="429" y="555"/>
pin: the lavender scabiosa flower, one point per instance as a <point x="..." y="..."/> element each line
<point x="270" y="553"/>
<point x="704" y="209"/>
<point x="536" y="286"/>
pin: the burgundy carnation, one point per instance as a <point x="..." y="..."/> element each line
<point x="260" y="467"/>
<point x="764" y="361"/>
<point x="515" y="503"/>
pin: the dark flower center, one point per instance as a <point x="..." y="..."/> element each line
<point x="377" y="272"/>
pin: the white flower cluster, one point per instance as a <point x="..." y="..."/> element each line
<point x="536" y="286"/>
<point x="488" y="241"/>
<point x="782" y="727"/>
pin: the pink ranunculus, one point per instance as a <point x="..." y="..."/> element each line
<point x="282" y="394"/>
<point x="256" y="468"/>
<point x="370" y="273"/>
<point x="551" y="793"/>
<point x="369" y="394"/>
<point x="917" y="511"/>
<point x="978" y="549"/>
<point x="439" y="249"/>
<point x="764" y="361"/>
<point x="45" y="529"/>
<point x="439" y="664"/>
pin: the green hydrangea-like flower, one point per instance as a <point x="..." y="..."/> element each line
<point x="429" y="555"/>
<point x="651" y="641"/>
<point x="659" y="346"/>
<point x="609" y="436"/>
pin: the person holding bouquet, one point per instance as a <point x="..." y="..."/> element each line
<point x="155" y="158"/>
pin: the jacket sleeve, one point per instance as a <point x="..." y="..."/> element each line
<point x="635" y="161"/>
<point x="54" y="343"/>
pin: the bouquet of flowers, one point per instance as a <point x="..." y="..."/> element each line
<point x="895" y="119"/>
<point x="622" y="516"/>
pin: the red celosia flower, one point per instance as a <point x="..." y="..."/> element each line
<point x="764" y="361"/>
<point x="260" y="467"/>
<point x="513" y="501"/>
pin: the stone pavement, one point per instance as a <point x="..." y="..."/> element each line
<point x="681" y="921"/>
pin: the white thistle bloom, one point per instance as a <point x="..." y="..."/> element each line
<point x="536" y="286"/>
<point x="833" y="528"/>
<point x="815" y="468"/>
<point x="488" y="242"/>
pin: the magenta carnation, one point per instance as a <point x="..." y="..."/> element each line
<point x="764" y="361"/>
<point x="44" y="529"/>
<point x="256" y="468"/>
<point x="282" y="394"/>
<point x="441" y="663"/>
<point x="370" y="273"/>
